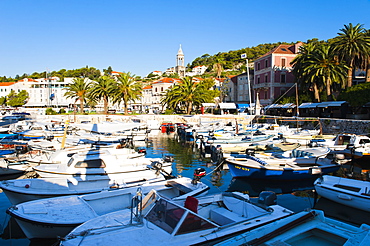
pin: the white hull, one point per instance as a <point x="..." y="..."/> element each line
<point x="349" y="192"/>
<point x="54" y="217"/>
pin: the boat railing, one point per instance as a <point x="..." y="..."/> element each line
<point x="136" y="208"/>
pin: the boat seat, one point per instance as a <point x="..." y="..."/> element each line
<point x="222" y="216"/>
<point x="300" y="153"/>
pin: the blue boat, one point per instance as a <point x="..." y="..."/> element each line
<point x="281" y="168"/>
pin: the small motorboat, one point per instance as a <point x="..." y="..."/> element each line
<point x="190" y="222"/>
<point x="304" y="228"/>
<point x="102" y="162"/>
<point x="299" y="164"/>
<point x="57" y="216"/>
<point x="350" y="192"/>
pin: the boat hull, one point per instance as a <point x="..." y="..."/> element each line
<point x="242" y="171"/>
<point x="344" y="192"/>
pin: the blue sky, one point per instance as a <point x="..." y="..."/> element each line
<point x="140" y="36"/>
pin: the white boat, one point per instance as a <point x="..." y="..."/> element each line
<point x="8" y="167"/>
<point x="24" y="190"/>
<point x="59" y="215"/>
<point x="51" y="154"/>
<point x="352" y="145"/>
<point x="303" y="228"/>
<point x="163" y="222"/>
<point x="103" y="162"/>
<point x="349" y="192"/>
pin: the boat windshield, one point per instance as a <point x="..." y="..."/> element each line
<point x="167" y="215"/>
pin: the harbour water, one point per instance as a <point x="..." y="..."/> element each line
<point x="296" y="196"/>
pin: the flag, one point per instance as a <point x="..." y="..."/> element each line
<point x="244" y="56"/>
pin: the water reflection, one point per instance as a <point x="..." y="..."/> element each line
<point x="342" y="212"/>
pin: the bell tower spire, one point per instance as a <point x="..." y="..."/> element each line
<point x="180" y="63"/>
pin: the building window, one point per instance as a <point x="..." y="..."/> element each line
<point x="283" y="62"/>
<point x="156" y="89"/>
<point x="283" y="78"/>
<point x="161" y="88"/>
<point x="266" y="78"/>
<point x="258" y="80"/>
<point x="258" y="66"/>
<point x="266" y="63"/>
<point x="266" y="97"/>
<point x="282" y="91"/>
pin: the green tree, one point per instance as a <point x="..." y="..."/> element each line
<point x="127" y="90"/>
<point x="302" y="76"/>
<point x="103" y="89"/>
<point x="17" y="99"/>
<point x="187" y="94"/>
<point x="78" y="90"/>
<point x="324" y="66"/>
<point x="352" y="45"/>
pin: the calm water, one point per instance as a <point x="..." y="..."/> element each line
<point x="296" y="196"/>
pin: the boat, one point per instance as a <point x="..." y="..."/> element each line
<point x="350" y="192"/>
<point x="304" y="228"/>
<point x="193" y="221"/>
<point x="57" y="216"/>
<point x="24" y="190"/>
<point x="102" y="162"/>
<point x="352" y="145"/>
<point x="300" y="164"/>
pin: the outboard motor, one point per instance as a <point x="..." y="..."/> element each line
<point x="20" y="149"/>
<point x="168" y="158"/>
<point x="250" y="152"/>
<point x="49" y="137"/>
<point x="199" y="173"/>
<point x="142" y="150"/>
<point x="267" y="198"/>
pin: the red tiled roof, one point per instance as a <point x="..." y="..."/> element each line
<point x="281" y="49"/>
<point x="166" y="80"/>
<point x="6" y="83"/>
<point x="147" y="87"/>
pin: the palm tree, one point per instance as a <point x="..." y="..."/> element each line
<point x="352" y="45"/>
<point x="79" y="90"/>
<point x="103" y="88"/>
<point x="187" y="94"/>
<point x="127" y="90"/>
<point x="300" y="63"/>
<point x="218" y="67"/>
<point x="323" y="65"/>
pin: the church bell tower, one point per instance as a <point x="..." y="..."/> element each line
<point x="180" y="67"/>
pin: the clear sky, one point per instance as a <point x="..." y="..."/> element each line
<point x="141" y="36"/>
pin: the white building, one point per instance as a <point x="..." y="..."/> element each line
<point x="42" y="92"/>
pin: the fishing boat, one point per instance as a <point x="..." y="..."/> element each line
<point x="190" y="222"/>
<point x="304" y="228"/>
<point x="350" y="192"/>
<point x="59" y="215"/>
<point x="299" y="164"/>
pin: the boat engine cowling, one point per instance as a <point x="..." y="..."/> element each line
<point x="198" y="174"/>
<point x="267" y="198"/>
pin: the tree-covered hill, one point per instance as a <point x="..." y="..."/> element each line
<point x="232" y="59"/>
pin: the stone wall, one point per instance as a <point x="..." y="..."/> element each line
<point x="334" y="126"/>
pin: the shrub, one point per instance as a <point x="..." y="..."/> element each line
<point x="50" y="111"/>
